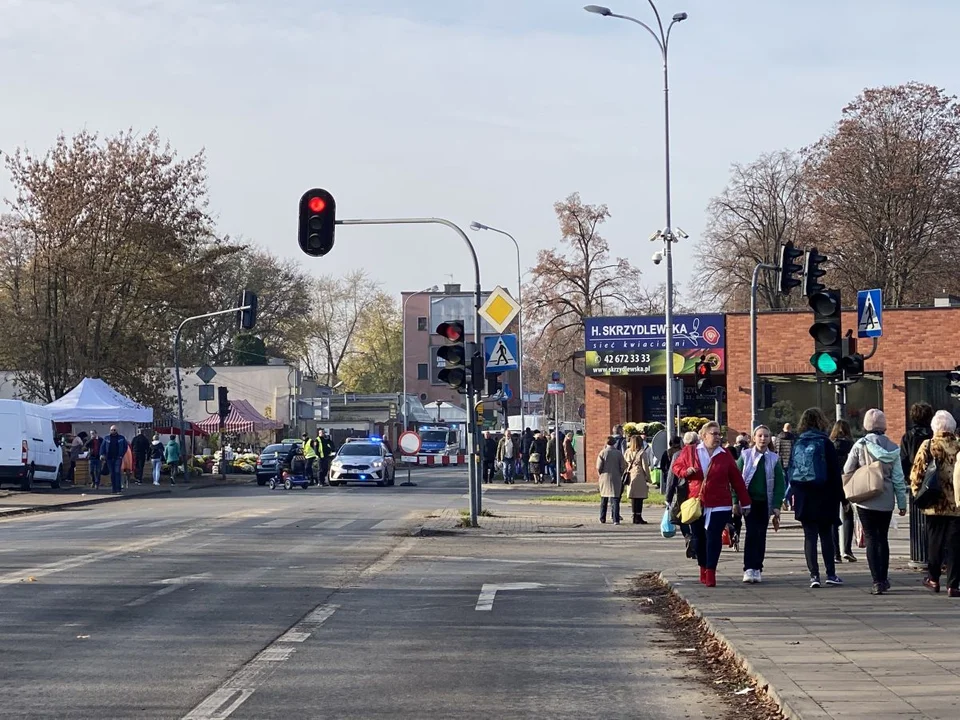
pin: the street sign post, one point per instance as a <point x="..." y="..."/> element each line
<point x="500" y="353"/>
<point x="869" y="313"/>
<point x="500" y="309"/>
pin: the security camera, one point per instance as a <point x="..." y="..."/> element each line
<point x="657" y="257"/>
<point x="681" y="234"/>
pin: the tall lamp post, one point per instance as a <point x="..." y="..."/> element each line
<point x="481" y="226"/>
<point x="403" y="365"/>
<point x="662" y="38"/>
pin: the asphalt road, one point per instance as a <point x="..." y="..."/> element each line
<point x="245" y="603"/>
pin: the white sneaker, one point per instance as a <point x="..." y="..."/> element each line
<point x="749" y="577"/>
<point x="757" y="577"/>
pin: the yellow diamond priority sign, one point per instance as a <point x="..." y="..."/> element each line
<point x="500" y="309"/>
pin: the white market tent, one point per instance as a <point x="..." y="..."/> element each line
<point x="93" y="401"/>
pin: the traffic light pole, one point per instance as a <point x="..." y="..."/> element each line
<point x="474" y="393"/>
<point x="176" y="369"/>
<point x="840" y="388"/>
<point x="753" y="341"/>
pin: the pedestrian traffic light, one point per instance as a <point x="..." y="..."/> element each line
<point x="223" y="402"/>
<point x="454" y="356"/>
<point x="703" y="370"/>
<point x="247" y="318"/>
<point x="789" y="267"/>
<point x="318" y="212"/>
<point x="826" y="332"/>
<point x="954" y="382"/>
<point x="851" y="362"/>
<point x="493" y="385"/>
<point x="812" y="272"/>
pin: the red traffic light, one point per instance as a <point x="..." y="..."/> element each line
<point x="703" y="369"/>
<point x="452" y="331"/>
<point x="317" y="204"/>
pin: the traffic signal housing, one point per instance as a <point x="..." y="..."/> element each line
<point x="703" y="371"/>
<point x="812" y="272"/>
<point x="318" y="213"/>
<point x="493" y="385"/>
<point x="851" y="362"/>
<point x="953" y="379"/>
<point x="247" y="318"/>
<point x="789" y="267"/>
<point x="454" y="355"/>
<point x="827" y="333"/>
<point x="223" y="402"/>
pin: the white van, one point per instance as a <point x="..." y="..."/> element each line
<point x="28" y="447"/>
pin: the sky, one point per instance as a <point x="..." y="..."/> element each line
<point x="487" y="110"/>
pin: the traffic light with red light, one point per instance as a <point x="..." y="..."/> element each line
<point x="318" y="211"/>
<point x="827" y="333"/>
<point x="703" y="370"/>
<point x="454" y="356"/>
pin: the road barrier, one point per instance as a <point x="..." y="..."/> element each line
<point x="434" y="459"/>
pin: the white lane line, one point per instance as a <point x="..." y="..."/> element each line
<point x="153" y="596"/>
<point x="171" y="584"/>
<point x="223" y="701"/>
<point x="488" y="593"/>
<point x="39" y="571"/>
<point x="332" y="524"/>
<point x="279" y="522"/>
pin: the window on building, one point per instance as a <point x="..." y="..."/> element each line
<point x="422" y="324"/>
<point x="423" y="371"/>
<point x="782" y="399"/>
<point x="930" y="387"/>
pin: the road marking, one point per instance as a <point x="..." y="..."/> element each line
<point x="223" y="701"/>
<point x="279" y="522"/>
<point x="459" y="558"/>
<point x="39" y="571"/>
<point x="488" y="593"/>
<point x="108" y="524"/>
<point x="171" y="584"/>
<point x="332" y="524"/>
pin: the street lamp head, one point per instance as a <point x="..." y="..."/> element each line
<point x="598" y="10"/>
<point x="477" y="226"/>
<point x="680" y="17"/>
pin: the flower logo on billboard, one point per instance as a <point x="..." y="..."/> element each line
<point x="711" y="335"/>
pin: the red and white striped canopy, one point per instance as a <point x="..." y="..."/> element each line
<point x="243" y="418"/>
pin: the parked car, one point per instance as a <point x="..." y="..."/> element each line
<point x="29" y="451"/>
<point x="271" y="455"/>
<point x="362" y="461"/>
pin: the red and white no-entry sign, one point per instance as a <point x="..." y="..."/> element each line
<point x="409" y="443"/>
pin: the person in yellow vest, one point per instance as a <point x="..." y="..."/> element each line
<point x="322" y="447"/>
<point x="310" y="455"/>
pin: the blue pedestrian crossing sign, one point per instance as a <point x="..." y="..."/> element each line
<point x="500" y="353"/>
<point x="869" y="313"/>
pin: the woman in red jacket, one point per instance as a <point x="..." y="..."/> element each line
<point x="723" y="480"/>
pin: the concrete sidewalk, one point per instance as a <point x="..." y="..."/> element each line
<point x="16" y="502"/>
<point x="828" y="653"/>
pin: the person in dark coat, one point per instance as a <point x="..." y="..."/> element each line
<point x="140" y="447"/>
<point x="489" y="456"/>
<point x="817" y="502"/>
<point x="526" y="442"/>
<point x="112" y="450"/>
<point x="842" y="439"/>
<point x="921" y="415"/>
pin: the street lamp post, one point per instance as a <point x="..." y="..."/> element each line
<point x="403" y="365"/>
<point x="481" y="226"/>
<point x="662" y="38"/>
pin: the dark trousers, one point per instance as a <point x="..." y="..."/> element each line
<point x="876" y="528"/>
<point x="116" y="477"/>
<point x="755" y="546"/>
<point x="308" y="470"/>
<point x="139" y="461"/>
<point x="488" y="470"/>
<point x="824" y="532"/>
<point x="323" y="469"/>
<point x="636" y="505"/>
<point x="709" y="540"/>
<point x="614" y="510"/>
<point x="71" y="473"/>
<point x="843" y="533"/>
<point x="943" y="544"/>
<point x="95" y="471"/>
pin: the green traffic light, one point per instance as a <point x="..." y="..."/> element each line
<point x="825" y="363"/>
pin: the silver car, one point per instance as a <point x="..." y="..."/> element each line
<point x="362" y="462"/>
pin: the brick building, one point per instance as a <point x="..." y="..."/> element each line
<point x="919" y="346"/>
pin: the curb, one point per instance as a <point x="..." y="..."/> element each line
<point x="761" y="681"/>
<point x="39" y="509"/>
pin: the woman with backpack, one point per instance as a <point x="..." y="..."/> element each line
<point x="814" y="474"/>
<point x="875" y="514"/>
<point x="711" y="475"/>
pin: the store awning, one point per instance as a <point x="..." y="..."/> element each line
<point x="243" y="418"/>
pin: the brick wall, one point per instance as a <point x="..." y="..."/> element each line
<point x="923" y="339"/>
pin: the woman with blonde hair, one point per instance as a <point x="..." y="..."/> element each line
<point x="876" y="513"/>
<point x="763" y="476"/>
<point x="943" y="518"/>
<point x="638" y="472"/>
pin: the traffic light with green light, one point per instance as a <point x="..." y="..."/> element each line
<point x="827" y="333"/>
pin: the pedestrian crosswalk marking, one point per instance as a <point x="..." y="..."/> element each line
<point x="279" y="522"/>
<point x="333" y="524"/>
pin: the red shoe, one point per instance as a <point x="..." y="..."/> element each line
<point x="703" y="575"/>
<point x="711" y="580"/>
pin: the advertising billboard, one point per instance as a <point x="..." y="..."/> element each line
<point x="637" y="345"/>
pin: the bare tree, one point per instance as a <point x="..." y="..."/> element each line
<point x="765" y="203"/>
<point x="886" y="183"/>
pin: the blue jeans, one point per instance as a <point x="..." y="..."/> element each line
<point x="116" y="478"/>
<point x="710" y="539"/>
<point x="95" y="471"/>
<point x="157" y="464"/>
<point x="615" y="509"/>
<point x="509" y="465"/>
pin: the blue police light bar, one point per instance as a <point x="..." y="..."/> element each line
<point x="375" y="437"/>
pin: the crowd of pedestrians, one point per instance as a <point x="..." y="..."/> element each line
<point x="843" y="491"/>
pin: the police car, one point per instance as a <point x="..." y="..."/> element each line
<point x="363" y="460"/>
